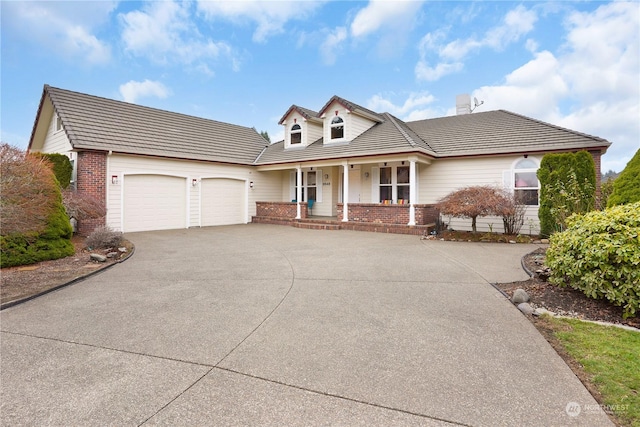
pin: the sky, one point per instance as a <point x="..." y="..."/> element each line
<point x="572" y="64"/>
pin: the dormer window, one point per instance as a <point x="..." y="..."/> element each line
<point x="296" y="134"/>
<point x="337" y="128"/>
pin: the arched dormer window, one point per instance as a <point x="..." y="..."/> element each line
<point x="525" y="181"/>
<point x="296" y="134"/>
<point x="337" y="128"/>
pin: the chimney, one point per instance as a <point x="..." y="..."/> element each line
<point x="463" y="104"/>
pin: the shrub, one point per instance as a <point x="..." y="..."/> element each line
<point x="82" y="206"/>
<point x="605" y="192"/>
<point x="103" y="237"/>
<point x="626" y="187"/>
<point x="599" y="254"/>
<point x="471" y="202"/>
<point x="512" y="210"/>
<point x="34" y="225"/>
<point x="567" y="186"/>
<point x="61" y="166"/>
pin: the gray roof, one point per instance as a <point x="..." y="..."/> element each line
<point x="351" y="106"/>
<point x="499" y="132"/>
<point x="489" y="133"/>
<point x="95" y="123"/>
<point x="304" y="112"/>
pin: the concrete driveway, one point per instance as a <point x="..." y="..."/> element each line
<point x="272" y="325"/>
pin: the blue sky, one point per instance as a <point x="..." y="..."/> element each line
<point x="574" y="64"/>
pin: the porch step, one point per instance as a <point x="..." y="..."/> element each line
<point x="315" y="224"/>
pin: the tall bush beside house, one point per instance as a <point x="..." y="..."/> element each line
<point x="599" y="254"/>
<point x="626" y="187"/>
<point x="33" y="224"/>
<point x="567" y="186"/>
<point x="472" y="202"/>
<point x="61" y="166"/>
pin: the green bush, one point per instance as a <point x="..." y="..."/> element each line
<point x="567" y="186"/>
<point x="599" y="254"/>
<point x="61" y="166"/>
<point x="626" y="187"/>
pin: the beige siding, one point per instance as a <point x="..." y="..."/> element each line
<point x="314" y="132"/>
<point x="266" y="184"/>
<point x="56" y="141"/>
<point x="311" y="132"/>
<point x="357" y="126"/>
<point x="447" y="175"/>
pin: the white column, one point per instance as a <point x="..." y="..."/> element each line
<point x="345" y="193"/>
<point x="412" y="192"/>
<point x="298" y="191"/>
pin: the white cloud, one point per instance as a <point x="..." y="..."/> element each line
<point x="63" y="28"/>
<point x="332" y="45"/>
<point x="384" y="13"/>
<point x="449" y="57"/>
<point x="132" y="90"/>
<point x="270" y="17"/>
<point x="594" y="77"/>
<point x="164" y="31"/>
<point x="414" y="107"/>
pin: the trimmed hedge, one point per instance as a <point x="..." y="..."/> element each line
<point x="567" y="186"/>
<point x="626" y="187"/>
<point x="599" y="254"/>
<point x="61" y="166"/>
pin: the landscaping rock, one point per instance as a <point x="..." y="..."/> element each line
<point x="540" y="311"/>
<point x="544" y="241"/>
<point x="112" y="254"/>
<point x="525" y="308"/>
<point x="512" y="242"/>
<point x="520" y="296"/>
<point x="98" y="258"/>
<point x="123" y="250"/>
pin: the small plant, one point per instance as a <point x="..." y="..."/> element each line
<point x="103" y="237"/>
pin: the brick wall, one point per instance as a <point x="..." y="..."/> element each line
<point x="280" y="210"/>
<point x="91" y="180"/>
<point x="387" y="214"/>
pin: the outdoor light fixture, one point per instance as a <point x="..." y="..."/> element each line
<point x="251" y="185"/>
<point x="326" y="176"/>
<point x="366" y="174"/>
<point x="194" y="182"/>
<point x="114" y="179"/>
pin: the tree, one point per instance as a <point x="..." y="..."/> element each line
<point x="567" y="186"/>
<point x="626" y="188"/>
<point x="265" y="135"/>
<point x="512" y="210"/>
<point x="472" y="202"/>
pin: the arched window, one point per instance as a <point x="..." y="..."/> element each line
<point x="337" y="128"/>
<point x="525" y="182"/>
<point x="296" y="134"/>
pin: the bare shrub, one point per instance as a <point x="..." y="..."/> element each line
<point x="103" y="238"/>
<point x="512" y="210"/>
<point x="471" y="202"/>
<point x="29" y="191"/>
<point x="82" y="206"/>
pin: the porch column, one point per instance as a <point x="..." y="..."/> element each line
<point x="345" y="192"/>
<point x="412" y="192"/>
<point x="298" y="191"/>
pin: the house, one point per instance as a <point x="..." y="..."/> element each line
<point x="357" y="168"/>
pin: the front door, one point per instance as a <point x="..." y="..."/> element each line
<point x="354" y="185"/>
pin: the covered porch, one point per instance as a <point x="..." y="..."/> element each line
<point x="372" y="194"/>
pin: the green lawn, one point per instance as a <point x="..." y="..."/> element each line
<point x="611" y="357"/>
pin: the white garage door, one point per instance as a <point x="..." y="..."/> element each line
<point x="222" y="201"/>
<point x="154" y="202"/>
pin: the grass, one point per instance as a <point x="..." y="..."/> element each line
<point x="610" y="357"/>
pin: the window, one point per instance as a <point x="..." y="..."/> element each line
<point x="393" y="184"/>
<point x="311" y="185"/>
<point x="58" y="123"/>
<point x="296" y="134"/>
<point x="525" y="182"/>
<point x="337" y="128"/>
<point x="386" y="186"/>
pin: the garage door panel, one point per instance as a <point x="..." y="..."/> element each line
<point x="154" y="202"/>
<point x="222" y="202"/>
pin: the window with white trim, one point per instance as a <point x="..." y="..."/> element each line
<point x="311" y="185"/>
<point x="392" y="184"/>
<point x="58" y="123"/>
<point x="525" y="182"/>
<point x="296" y="134"/>
<point x="337" y="128"/>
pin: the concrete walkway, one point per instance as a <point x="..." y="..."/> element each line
<point x="272" y="325"/>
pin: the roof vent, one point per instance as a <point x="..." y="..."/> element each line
<point x="463" y="104"/>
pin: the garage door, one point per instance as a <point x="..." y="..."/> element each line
<point x="154" y="202"/>
<point x="222" y="201"/>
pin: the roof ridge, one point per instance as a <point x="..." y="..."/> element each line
<point x="134" y="105"/>
<point x="402" y="131"/>
<point x="597" y="138"/>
